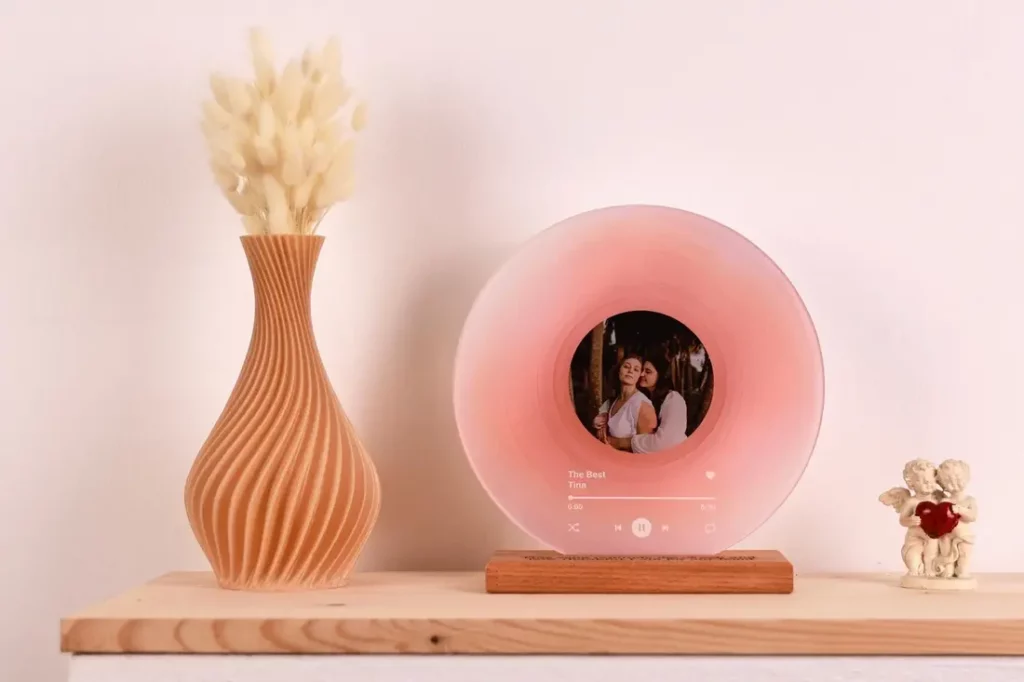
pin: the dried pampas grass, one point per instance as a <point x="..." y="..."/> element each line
<point x="281" y="146"/>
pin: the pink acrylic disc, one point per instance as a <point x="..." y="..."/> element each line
<point x="521" y="397"/>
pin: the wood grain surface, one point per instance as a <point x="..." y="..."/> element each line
<point x="424" y="613"/>
<point x="548" y="572"/>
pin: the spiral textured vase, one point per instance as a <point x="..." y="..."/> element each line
<point x="282" y="495"/>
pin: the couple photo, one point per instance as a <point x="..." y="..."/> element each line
<point x="641" y="382"/>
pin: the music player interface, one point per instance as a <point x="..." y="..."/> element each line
<point x="587" y="489"/>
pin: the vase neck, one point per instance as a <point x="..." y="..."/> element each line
<point x="282" y="268"/>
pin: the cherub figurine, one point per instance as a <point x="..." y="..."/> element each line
<point x="919" y="550"/>
<point x="937" y="547"/>
<point x="955" y="547"/>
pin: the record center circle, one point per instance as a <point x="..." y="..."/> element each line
<point x="518" y="424"/>
<point x="641" y="382"/>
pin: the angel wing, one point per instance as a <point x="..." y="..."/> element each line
<point x="895" y="497"/>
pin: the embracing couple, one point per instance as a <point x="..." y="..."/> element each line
<point x="647" y="414"/>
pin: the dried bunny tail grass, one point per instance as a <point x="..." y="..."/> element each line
<point x="307" y="135"/>
<point x="302" y="193"/>
<point x="359" y="117"/>
<point x="293" y="169"/>
<point x="288" y="95"/>
<point x="266" y="122"/>
<point x="281" y="147"/>
<point x="226" y="177"/>
<point x="331" y="58"/>
<point x="327" y="99"/>
<point x="337" y="182"/>
<point x="262" y="61"/>
<point x="219" y="88"/>
<point x="311" y="63"/>
<point x="240" y="96"/>
<point x="216" y="115"/>
<point x="240" y="202"/>
<point x="254" y="225"/>
<point x="279" y="216"/>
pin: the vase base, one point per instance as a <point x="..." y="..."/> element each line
<point x="270" y="586"/>
<point x="921" y="582"/>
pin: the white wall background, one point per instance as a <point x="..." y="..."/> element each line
<point x="872" y="148"/>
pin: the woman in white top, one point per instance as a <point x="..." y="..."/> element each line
<point x="669" y="405"/>
<point x="631" y="412"/>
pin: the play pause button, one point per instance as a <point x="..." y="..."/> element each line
<point x="641" y="527"/>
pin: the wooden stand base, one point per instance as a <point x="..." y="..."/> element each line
<point x="547" y="572"/>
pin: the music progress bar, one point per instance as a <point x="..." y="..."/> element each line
<point x="638" y="497"/>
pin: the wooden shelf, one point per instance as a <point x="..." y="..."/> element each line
<point x="424" y="613"/>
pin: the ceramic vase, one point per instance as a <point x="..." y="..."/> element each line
<point x="282" y="495"/>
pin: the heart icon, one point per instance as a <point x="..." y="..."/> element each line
<point x="710" y="475"/>
<point x="937" y="519"/>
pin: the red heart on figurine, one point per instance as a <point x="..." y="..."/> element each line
<point x="937" y="519"/>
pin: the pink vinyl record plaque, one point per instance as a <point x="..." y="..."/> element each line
<point x="639" y="380"/>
